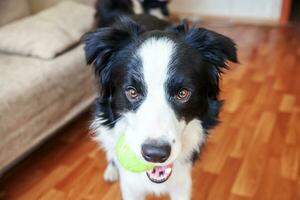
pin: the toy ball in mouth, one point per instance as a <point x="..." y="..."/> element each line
<point x="128" y="159"/>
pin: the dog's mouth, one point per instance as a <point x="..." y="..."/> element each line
<point x="160" y="174"/>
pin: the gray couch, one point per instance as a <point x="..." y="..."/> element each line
<point x="38" y="96"/>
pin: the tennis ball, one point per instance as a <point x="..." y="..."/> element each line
<point x="128" y="159"/>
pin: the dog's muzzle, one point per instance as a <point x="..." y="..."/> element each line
<point x="157" y="152"/>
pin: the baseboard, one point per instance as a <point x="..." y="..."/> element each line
<point x="225" y="19"/>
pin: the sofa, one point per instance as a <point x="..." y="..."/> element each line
<point x="41" y="88"/>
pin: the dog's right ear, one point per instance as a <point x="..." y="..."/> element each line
<point x="101" y="44"/>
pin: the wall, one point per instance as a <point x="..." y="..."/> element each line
<point x="267" y="10"/>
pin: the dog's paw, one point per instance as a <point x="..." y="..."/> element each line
<point x="111" y="173"/>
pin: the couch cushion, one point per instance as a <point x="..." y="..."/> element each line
<point x="11" y="10"/>
<point x="37" y="96"/>
<point x="49" y="32"/>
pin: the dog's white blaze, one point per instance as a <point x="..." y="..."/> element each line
<point x="156" y="55"/>
<point x="155" y="119"/>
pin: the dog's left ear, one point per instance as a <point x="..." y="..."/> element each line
<point x="213" y="47"/>
<point x="216" y="50"/>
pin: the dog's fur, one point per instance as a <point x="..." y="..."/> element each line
<point x="158" y="64"/>
<point x="152" y="4"/>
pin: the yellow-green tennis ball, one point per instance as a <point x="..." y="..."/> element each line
<point x="128" y="159"/>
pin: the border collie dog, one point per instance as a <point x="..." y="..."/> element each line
<point x="160" y="89"/>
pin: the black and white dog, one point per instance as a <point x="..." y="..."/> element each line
<point x="160" y="88"/>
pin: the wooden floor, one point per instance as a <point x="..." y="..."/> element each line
<point x="253" y="155"/>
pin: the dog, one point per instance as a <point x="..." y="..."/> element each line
<point x="160" y="89"/>
<point x="155" y="4"/>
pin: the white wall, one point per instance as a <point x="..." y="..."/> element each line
<point x="268" y="10"/>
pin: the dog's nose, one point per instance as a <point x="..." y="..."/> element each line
<point x="156" y="153"/>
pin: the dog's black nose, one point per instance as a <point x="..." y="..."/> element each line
<point x="156" y="152"/>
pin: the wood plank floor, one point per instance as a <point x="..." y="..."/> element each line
<point x="253" y="155"/>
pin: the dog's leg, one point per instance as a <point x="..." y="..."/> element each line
<point x="182" y="191"/>
<point x="111" y="172"/>
<point x="130" y="191"/>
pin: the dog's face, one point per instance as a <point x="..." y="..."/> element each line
<point x="158" y="84"/>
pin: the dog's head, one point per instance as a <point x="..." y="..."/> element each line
<point x="159" y="85"/>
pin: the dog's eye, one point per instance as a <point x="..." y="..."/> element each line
<point x="132" y="94"/>
<point x="183" y="95"/>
